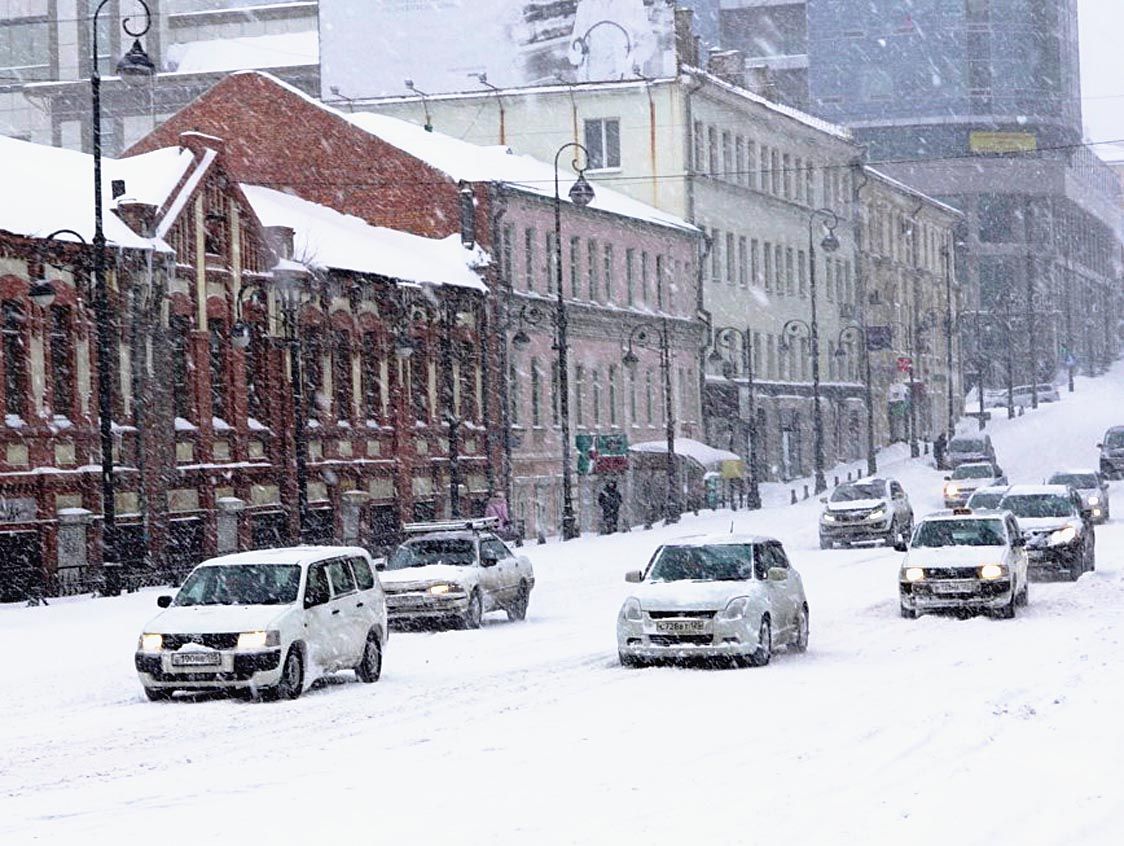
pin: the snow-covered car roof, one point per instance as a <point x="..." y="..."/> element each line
<point x="963" y="514"/>
<point x="991" y="489"/>
<point x="1082" y="471"/>
<point x="1038" y="490"/>
<point x="730" y="539"/>
<point x="286" y="555"/>
<point x="450" y="534"/>
<point x="987" y="464"/>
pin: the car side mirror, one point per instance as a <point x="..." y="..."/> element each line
<point x="488" y="561"/>
<point x="633" y="576"/>
<point x="948" y="478"/>
<point x="823" y="499"/>
<point x="163" y="601"/>
<point x="901" y="546"/>
<point x="1100" y="446"/>
<point x="778" y="574"/>
<point x="380" y="563"/>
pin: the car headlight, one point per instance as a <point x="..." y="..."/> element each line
<point x="631" y="610"/>
<point x="150" y="642"/>
<point x="877" y="514"/>
<point x="914" y="574"/>
<point x="1063" y="536"/>
<point x="735" y="609"/>
<point x="951" y="490"/>
<point x="991" y="572"/>
<point x="438" y="590"/>
<point x="828" y="518"/>
<point x="1094" y="500"/>
<point x="258" y="639"/>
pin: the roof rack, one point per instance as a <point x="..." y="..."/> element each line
<point x="960" y="512"/>
<point x="473" y="524"/>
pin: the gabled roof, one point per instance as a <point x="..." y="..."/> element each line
<point x="322" y="237"/>
<point x="48" y="188"/>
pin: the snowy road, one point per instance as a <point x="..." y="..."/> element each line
<point x="931" y="731"/>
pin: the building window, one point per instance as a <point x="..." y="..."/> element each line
<point x="768" y="266"/>
<point x="712" y="150"/>
<point x="513" y="394"/>
<point x="629" y="271"/>
<point x="829" y="280"/>
<point x="716" y="255"/>
<point x="529" y="258"/>
<point x="751" y="163"/>
<point x="603" y="143"/>
<point x="632" y="397"/>
<point x="763" y="168"/>
<point x="648" y="397"/>
<point x="62" y="360"/>
<point x="789" y="270"/>
<point x="536" y="393"/>
<point x="370" y="378"/>
<point x="798" y="178"/>
<point x="255" y="366"/>
<point x="731" y="259"/>
<point x="551" y="263"/>
<point x="775" y="167"/>
<point x="614" y="390"/>
<point x="591" y="268"/>
<point x="219" y="388"/>
<point x="15" y="359"/>
<point x="755" y="262"/>
<point x="739" y="159"/>
<point x="644" y="278"/>
<point x="25" y="48"/>
<point x="575" y="267"/>
<point x="469" y="392"/>
<point x="507" y="260"/>
<point x="608" y="273"/>
<point x="341" y="374"/>
<point x="179" y="330"/>
<point x="555" y="410"/>
<point x="809" y="185"/>
<point x="661" y="277"/>
<point x="418" y="364"/>
<point x="729" y="171"/>
<point x="802" y="275"/>
<point x="700" y="147"/>
<point x="595" y="381"/>
<point x="579" y="388"/>
<point x="787" y="176"/>
<point x="743" y="261"/>
<point x="783" y="283"/>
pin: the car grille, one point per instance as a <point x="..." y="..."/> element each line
<point x="663" y="615"/>
<point x="850" y="516"/>
<point x="951" y="572"/>
<point x="214" y="641"/>
<point x="680" y="640"/>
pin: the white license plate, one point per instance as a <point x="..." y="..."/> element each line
<point x="680" y="626"/>
<point x="952" y="587"/>
<point x="196" y="659"/>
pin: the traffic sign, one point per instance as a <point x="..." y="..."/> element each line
<point x="905" y="363"/>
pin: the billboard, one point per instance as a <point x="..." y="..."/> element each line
<point x="369" y="49"/>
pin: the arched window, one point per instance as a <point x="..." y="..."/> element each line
<point x="62" y="360"/>
<point x="15" y="358"/>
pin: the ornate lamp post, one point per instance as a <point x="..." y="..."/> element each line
<point x="727" y="336"/>
<point x="134" y="68"/>
<point x="581" y="194"/>
<point x="645" y="335"/>
<point x="830" y="244"/>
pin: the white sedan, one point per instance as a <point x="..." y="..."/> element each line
<point x="728" y="597"/>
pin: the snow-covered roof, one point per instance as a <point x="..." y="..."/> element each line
<point x="462" y="160"/>
<point x="257" y="51"/>
<point x="913" y="192"/>
<point x="326" y="238"/>
<point x="704" y="454"/>
<point x="48" y="188"/>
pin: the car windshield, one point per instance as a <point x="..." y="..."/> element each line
<point x="419" y="553"/>
<point x="966" y="445"/>
<point x="1081" y="481"/>
<point x="985" y="500"/>
<point x="1115" y="439"/>
<point x="973" y="471"/>
<point x="241" y="584"/>
<point x="959" y="533"/>
<point x="858" y="490"/>
<point x="720" y="563"/>
<point x="1038" y="505"/>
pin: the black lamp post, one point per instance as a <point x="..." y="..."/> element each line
<point x="949" y="322"/>
<point x="425" y="103"/>
<point x="859" y="332"/>
<point x="581" y="194"/>
<point x="726" y="337"/>
<point x="641" y="335"/>
<point x="830" y="244"/>
<point x="134" y="67"/>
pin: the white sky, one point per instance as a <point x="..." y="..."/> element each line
<point x="1102" y="72"/>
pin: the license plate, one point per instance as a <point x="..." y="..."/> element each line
<point x="196" y="659"/>
<point x="680" y="626"/>
<point x="953" y="587"/>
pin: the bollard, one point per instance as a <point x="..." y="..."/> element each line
<point x="848" y="475"/>
<point x="837" y="481"/>
<point x="805" y="492"/>
<point x="926" y="447"/>
<point x="1022" y="411"/>
<point x="793" y="497"/>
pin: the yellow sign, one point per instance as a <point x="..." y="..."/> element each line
<point x="733" y="468"/>
<point x="1002" y="142"/>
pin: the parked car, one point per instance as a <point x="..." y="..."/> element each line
<point x="727" y="597"/>
<point x="1059" y="539"/>
<point x="267" y="622"/>
<point x="871" y="509"/>
<point x="969" y="477"/>
<point x="1093" y="489"/>
<point x="987" y="498"/>
<point x="1112" y="453"/>
<point x="1023" y="395"/>
<point x="964" y="448"/>
<point x="455" y="571"/>
<point x="965" y="561"/>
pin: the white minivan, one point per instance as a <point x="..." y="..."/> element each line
<point x="268" y="623"/>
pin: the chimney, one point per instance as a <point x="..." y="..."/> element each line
<point x="686" y="44"/>
<point x="138" y="216"/>
<point x="727" y="65"/>
<point x="280" y="240"/>
<point x="759" y="80"/>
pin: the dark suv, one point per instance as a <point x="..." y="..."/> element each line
<point x="1112" y="453"/>
<point x="1059" y="536"/>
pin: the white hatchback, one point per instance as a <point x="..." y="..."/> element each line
<point x="728" y="597"/>
<point x="267" y="622"/>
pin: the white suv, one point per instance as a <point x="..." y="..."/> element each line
<point x="267" y="622"/>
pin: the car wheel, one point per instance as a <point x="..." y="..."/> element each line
<point x="800" y="643"/>
<point x="764" y="651"/>
<point x="291" y="683"/>
<point x="1024" y="595"/>
<point x="158" y="694"/>
<point x="370" y="668"/>
<point x="909" y="613"/>
<point x="825" y="543"/>
<point x="1007" y="612"/>
<point x="474" y="613"/>
<point x="518" y="608"/>
<point x="630" y="661"/>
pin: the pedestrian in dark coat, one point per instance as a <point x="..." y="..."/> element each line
<point x="610" y="501"/>
<point x="939" y="446"/>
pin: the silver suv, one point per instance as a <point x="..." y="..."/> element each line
<point x="965" y="448"/>
<point x="866" y="510"/>
<point x="1112" y="453"/>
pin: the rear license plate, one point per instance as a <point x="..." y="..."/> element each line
<point x="953" y="587"/>
<point x="680" y="626"/>
<point x="196" y="659"/>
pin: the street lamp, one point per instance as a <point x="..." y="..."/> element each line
<point x="830" y="244"/>
<point x="948" y="324"/>
<point x="581" y="194"/>
<point x="134" y="68"/>
<point x="409" y="83"/>
<point x="641" y="335"/>
<point x="859" y="332"/>
<point x="726" y="336"/>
